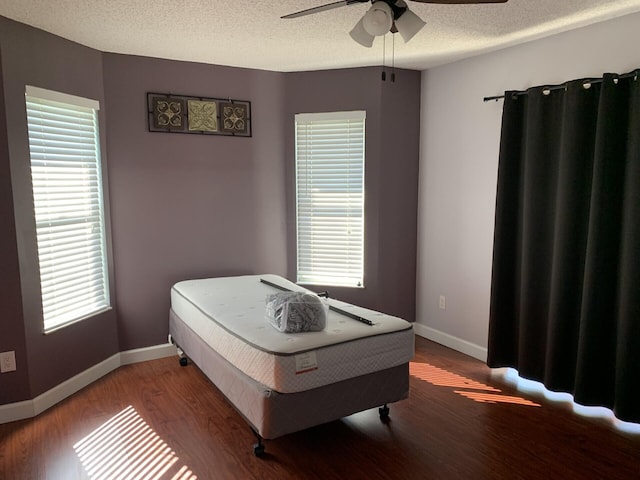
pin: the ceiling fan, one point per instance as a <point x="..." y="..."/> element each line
<point x="384" y="16"/>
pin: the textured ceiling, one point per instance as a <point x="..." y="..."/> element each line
<point x="250" y="33"/>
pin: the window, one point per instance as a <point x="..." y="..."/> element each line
<point x="330" y="198"/>
<point x="67" y="195"/>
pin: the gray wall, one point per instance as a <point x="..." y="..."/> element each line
<point x="33" y="57"/>
<point x="459" y="161"/>
<point x="391" y="173"/>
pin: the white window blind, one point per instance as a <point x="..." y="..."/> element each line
<point x="67" y="194"/>
<point x="330" y="197"/>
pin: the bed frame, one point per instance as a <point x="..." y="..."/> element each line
<point x="271" y="414"/>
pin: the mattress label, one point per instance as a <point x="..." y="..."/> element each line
<point x="306" y="362"/>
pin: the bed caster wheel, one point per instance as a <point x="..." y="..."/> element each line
<point x="184" y="361"/>
<point x="258" y="450"/>
<point x="384" y="412"/>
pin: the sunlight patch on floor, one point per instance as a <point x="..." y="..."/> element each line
<point x="126" y="447"/>
<point x="493" y="398"/>
<point x="443" y="378"/>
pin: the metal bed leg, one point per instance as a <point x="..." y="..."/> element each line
<point x="258" y="448"/>
<point x="184" y="361"/>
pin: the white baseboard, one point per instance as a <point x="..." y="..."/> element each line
<point x="463" y="346"/>
<point x="148" y="353"/>
<point x="30" y="408"/>
<point x="67" y="388"/>
<point x="16" y="411"/>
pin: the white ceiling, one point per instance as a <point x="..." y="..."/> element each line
<point x="250" y="33"/>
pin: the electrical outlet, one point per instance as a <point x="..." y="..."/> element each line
<point x="7" y="362"/>
<point x="442" y="302"/>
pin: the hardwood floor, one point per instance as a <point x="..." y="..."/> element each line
<point x="158" y="420"/>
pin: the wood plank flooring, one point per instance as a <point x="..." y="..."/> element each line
<point x="158" y="420"/>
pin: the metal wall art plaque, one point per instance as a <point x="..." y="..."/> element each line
<point x="170" y="113"/>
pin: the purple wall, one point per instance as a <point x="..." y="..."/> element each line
<point x="14" y="386"/>
<point x="34" y="57"/>
<point x="391" y="176"/>
<point x="398" y="193"/>
<point x="189" y="206"/>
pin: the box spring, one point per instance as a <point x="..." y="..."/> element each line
<point x="273" y="414"/>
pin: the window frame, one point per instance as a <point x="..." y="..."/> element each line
<point x="85" y="211"/>
<point x="350" y="156"/>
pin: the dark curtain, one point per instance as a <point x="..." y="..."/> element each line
<point x="565" y="289"/>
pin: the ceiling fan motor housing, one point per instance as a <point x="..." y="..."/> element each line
<point x="398" y="7"/>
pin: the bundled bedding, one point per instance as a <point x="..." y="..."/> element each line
<point x="294" y="312"/>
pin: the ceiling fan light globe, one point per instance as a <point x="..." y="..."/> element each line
<point x="408" y="25"/>
<point x="378" y="19"/>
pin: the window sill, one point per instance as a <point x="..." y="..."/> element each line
<point x="55" y="328"/>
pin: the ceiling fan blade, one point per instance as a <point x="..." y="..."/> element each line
<point x="322" y="8"/>
<point x="460" y="2"/>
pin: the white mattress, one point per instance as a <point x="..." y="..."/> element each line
<point x="229" y="315"/>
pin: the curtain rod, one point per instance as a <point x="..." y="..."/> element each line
<point x="562" y="86"/>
